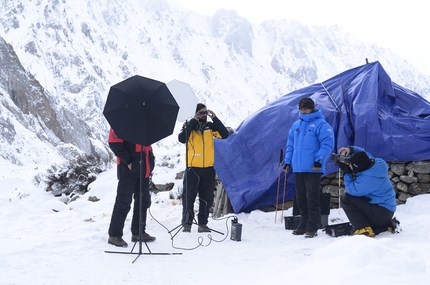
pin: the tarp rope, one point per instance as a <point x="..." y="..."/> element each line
<point x="331" y="97"/>
<point x="335" y="105"/>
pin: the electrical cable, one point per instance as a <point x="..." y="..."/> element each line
<point x="200" y="238"/>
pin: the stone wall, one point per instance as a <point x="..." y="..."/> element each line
<point x="408" y="178"/>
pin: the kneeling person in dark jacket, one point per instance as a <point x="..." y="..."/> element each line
<point x="370" y="200"/>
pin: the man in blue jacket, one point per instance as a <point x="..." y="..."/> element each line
<point x="310" y="142"/>
<point x="370" y="200"/>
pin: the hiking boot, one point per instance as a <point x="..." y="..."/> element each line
<point x="186" y="228"/>
<point x="299" y="232"/>
<point x="394" y="226"/>
<point x="117" y="241"/>
<point x="311" y="234"/>
<point x="367" y="231"/>
<point x="145" y="237"/>
<point x="203" y="229"/>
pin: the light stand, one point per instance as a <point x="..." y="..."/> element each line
<point x="140" y="239"/>
<point x="180" y="226"/>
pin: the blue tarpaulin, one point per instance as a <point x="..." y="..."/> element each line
<point x="364" y="107"/>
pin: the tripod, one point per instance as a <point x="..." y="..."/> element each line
<point x="140" y="239"/>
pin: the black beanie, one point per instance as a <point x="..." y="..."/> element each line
<point x="360" y="161"/>
<point x="306" y="103"/>
<point x="200" y="106"/>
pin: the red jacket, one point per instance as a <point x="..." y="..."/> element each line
<point x="128" y="152"/>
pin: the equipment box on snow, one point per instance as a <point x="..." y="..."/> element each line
<point x="344" y="229"/>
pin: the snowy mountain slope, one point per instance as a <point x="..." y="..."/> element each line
<point x="76" y="50"/>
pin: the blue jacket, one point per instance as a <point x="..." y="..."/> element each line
<point x="310" y="139"/>
<point x="372" y="183"/>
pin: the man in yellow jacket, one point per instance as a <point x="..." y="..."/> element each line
<point x="199" y="177"/>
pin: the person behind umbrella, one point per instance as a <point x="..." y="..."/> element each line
<point x="310" y="142"/>
<point x="128" y="170"/>
<point x="370" y="200"/>
<point x="199" y="177"/>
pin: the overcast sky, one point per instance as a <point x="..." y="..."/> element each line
<point x="399" y="25"/>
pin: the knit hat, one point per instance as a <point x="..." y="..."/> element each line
<point x="307" y="103"/>
<point x="360" y="161"/>
<point x="200" y="106"/>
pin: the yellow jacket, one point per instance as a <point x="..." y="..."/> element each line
<point x="200" y="145"/>
<point x="201" y="152"/>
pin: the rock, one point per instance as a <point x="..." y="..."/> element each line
<point x="419" y="188"/>
<point x="398" y="168"/>
<point x="419" y="166"/>
<point x="402" y="187"/>
<point x="424" y="178"/>
<point x="408" y="179"/>
<point x="93" y="199"/>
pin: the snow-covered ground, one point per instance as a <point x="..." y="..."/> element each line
<point x="45" y="241"/>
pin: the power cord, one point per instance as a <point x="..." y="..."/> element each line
<point x="200" y="239"/>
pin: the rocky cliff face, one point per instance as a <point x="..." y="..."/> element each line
<point x="34" y="108"/>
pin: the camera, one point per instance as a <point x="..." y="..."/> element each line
<point x="340" y="158"/>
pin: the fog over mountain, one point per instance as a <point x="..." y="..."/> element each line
<point x="60" y="57"/>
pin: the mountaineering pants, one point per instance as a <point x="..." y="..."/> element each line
<point x="129" y="187"/>
<point x="199" y="181"/>
<point x="308" y="200"/>
<point x="362" y="214"/>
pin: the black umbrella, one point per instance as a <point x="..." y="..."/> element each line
<point x="141" y="110"/>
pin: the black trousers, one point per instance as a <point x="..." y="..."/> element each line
<point x="199" y="181"/>
<point x="129" y="188"/>
<point x="308" y="200"/>
<point x="362" y="214"/>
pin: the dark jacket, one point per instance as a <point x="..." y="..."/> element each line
<point x="127" y="152"/>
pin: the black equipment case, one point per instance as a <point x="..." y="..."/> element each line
<point x="343" y="229"/>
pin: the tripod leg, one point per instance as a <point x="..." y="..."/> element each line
<point x="140" y="201"/>
<point x="179" y="227"/>
<point x="283" y="197"/>
<point x="281" y="157"/>
<point x="277" y="193"/>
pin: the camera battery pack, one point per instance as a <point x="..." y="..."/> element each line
<point x="236" y="231"/>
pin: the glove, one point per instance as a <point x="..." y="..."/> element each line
<point x="317" y="164"/>
<point x="286" y="168"/>
<point x="345" y="169"/>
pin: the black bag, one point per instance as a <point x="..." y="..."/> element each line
<point x="344" y="229"/>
